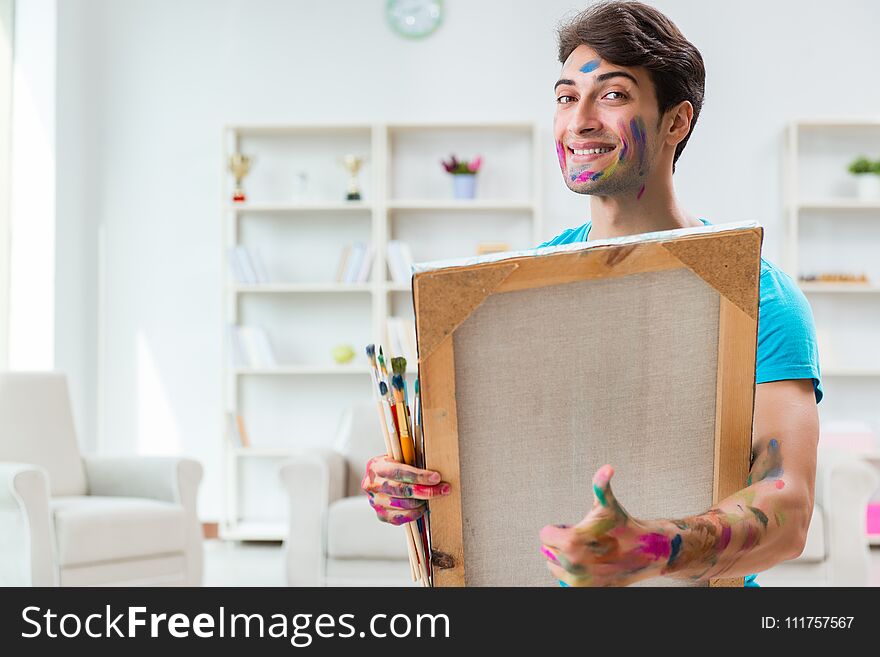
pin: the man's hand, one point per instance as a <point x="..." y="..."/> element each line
<point x="608" y="547"/>
<point x="398" y="492"/>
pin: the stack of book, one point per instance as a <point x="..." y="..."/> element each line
<point x="247" y="266"/>
<point x="402" y="338"/>
<point x="399" y="261"/>
<point x="355" y="263"/>
<point x="235" y="430"/>
<point x="250" y="347"/>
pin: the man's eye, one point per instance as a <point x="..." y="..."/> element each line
<point x="560" y="101"/>
<point x="619" y="93"/>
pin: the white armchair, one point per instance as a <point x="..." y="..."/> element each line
<point x="334" y="536"/>
<point x="72" y="521"/>
<point x="836" y="551"/>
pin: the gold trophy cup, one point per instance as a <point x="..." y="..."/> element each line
<point x="239" y="166"/>
<point x="352" y="164"/>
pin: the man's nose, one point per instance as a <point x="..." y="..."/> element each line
<point x="585" y="119"/>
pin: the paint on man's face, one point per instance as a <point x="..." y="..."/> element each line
<point x="590" y="66"/>
<point x="560" y="153"/>
<point x="634" y="134"/>
<point x="640" y="138"/>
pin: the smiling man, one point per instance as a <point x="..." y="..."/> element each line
<point x="627" y="100"/>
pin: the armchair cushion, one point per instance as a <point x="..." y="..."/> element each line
<point x="93" y="529"/>
<point x="36" y="426"/>
<point x="353" y="532"/>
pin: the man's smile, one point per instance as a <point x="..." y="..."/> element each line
<point x="583" y="153"/>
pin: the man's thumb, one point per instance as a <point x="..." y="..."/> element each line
<point x="602" y="495"/>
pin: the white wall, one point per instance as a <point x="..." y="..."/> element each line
<point x="145" y="85"/>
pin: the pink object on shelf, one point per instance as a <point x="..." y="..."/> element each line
<point x="874" y="518"/>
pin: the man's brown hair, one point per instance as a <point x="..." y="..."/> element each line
<point x="629" y="33"/>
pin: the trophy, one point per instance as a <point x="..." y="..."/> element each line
<point x="239" y="165"/>
<point x="352" y="164"/>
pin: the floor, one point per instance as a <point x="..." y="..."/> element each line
<point x="262" y="564"/>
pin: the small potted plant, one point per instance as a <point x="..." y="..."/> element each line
<point x="464" y="175"/>
<point x="867" y="175"/>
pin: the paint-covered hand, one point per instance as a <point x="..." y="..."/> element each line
<point x="608" y="547"/>
<point x="397" y="491"/>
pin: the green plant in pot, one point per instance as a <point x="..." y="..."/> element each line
<point x="464" y="175"/>
<point x="867" y="173"/>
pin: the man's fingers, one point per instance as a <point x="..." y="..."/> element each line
<point x="567" y="578"/>
<point x="602" y="495"/>
<point x="380" y="499"/>
<point x="557" y="537"/>
<point x="393" y="488"/>
<point x="382" y="466"/>
<point x="398" y="516"/>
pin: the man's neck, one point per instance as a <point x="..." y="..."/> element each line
<point x="624" y="214"/>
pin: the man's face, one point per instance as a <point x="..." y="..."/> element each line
<point x="602" y="105"/>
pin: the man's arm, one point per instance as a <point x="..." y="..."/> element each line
<point x="766" y="522"/>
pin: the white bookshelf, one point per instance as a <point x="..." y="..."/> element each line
<point x="829" y="229"/>
<point x="406" y="196"/>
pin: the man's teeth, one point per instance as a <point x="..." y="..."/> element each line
<point x="590" y="151"/>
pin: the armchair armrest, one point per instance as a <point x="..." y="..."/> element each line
<point x="313" y="480"/>
<point x="844" y="484"/>
<point x="26" y="551"/>
<point x="167" y="479"/>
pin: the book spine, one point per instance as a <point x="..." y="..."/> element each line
<point x="245" y="440"/>
<point x="366" y="265"/>
<point x="235" y="266"/>
<point x="343" y="263"/>
<point x="354" y="262"/>
<point x="259" y="266"/>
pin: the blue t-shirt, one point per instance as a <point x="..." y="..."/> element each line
<point x="786" y="332"/>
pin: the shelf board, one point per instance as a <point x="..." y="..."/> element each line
<point x="846" y="288"/>
<point x="288" y="288"/>
<point x="294" y="370"/>
<point x="838" y="204"/>
<point x="278" y="208"/>
<point x="851" y="371"/>
<point x="252" y="530"/>
<point x="398" y="287"/>
<point x="516" y="126"/>
<point x="263" y="129"/>
<point x="855" y="122"/>
<point x="452" y="204"/>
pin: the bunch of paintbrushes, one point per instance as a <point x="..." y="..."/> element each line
<point x="404" y="443"/>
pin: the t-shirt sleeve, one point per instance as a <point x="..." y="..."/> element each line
<point x="562" y="238"/>
<point x="787" y="346"/>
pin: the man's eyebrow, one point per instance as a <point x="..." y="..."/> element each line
<point x="612" y="74"/>
<point x="600" y="78"/>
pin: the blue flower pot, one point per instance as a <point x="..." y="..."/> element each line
<point x="464" y="185"/>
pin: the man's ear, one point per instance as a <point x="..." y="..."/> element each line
<point x="679" y="119"/>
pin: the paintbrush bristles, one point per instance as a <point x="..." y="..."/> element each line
<point x="397" y="382"/>
<point x="398" y="365"/>
<point x="371" y="352"/>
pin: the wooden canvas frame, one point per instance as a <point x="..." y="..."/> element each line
<point x="445" y="294"/>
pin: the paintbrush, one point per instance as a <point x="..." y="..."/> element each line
<point x="399" y="421"/>
<point x="419" y="441"/>
<point x="383" y="369"/>
<point x="390" y="442"/>
<point x="371" y="356"/>
<point x="398" y="385"/>
<point x="406" y="444"/>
